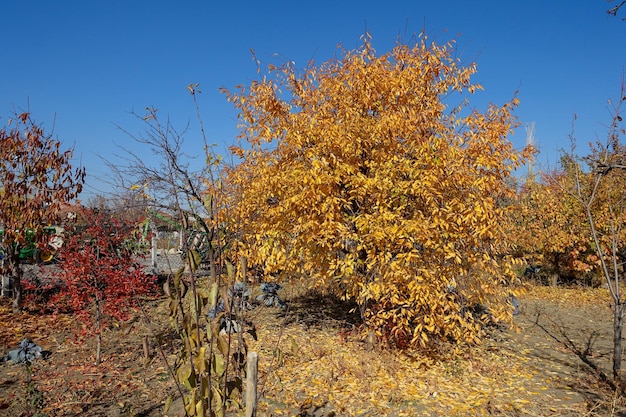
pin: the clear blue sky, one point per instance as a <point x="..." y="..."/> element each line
<point x="84" y="65"/>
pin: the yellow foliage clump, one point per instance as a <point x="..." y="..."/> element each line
<point x="548" y="221"/>
<point x="357" y="176"/>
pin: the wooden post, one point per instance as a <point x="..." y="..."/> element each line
<point x="251" y="383"/>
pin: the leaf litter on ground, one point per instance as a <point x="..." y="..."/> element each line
<point x="307" y="365"/>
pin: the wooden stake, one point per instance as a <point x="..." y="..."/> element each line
<point x="251" y="383"/>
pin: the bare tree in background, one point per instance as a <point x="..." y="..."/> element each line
<point x="601" y="194"/>
<point x="169" y="185"/>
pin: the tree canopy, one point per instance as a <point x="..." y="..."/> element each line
<point x="36" y="178"/>
<point x="359" y="176"/>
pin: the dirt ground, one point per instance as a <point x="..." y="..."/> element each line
<point x="310" y="366"/>
<point x="565" y="340"/>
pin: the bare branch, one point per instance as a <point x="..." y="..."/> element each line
<point x="615" y="9"/>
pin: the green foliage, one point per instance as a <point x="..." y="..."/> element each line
<point x="33" y="396"/>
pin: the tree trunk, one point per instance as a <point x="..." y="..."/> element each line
<point x="16" y="273"/>
<point x="618" y="326"/>
<point x="98" y="348"/>
<point x="98" y="332"/>
<point x="554" y="280"/>
<point x="17" y="295"/>
<point x="153" y="251"/>
<point x="212" y="269"/>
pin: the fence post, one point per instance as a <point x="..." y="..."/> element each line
<point x="251" y="383"/>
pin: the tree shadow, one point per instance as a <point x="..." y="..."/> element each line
<point x="314" y="309"/>
<point x="601" y="391"/>
<point x="582" y="350"/>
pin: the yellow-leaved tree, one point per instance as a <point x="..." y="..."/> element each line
<point x="548" y="228"/>
<point x="359" y="177"/>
